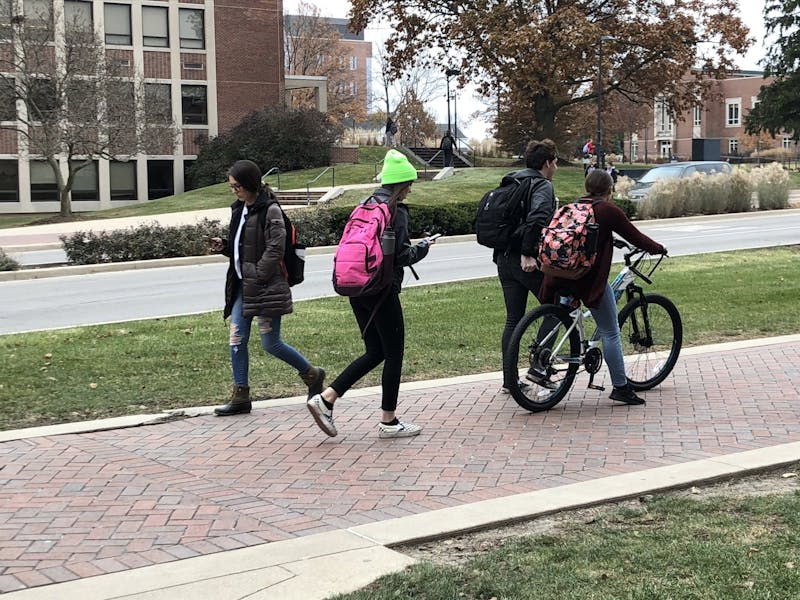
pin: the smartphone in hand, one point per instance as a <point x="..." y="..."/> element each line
<point x="432" y="238"/>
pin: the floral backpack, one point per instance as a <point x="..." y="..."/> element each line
<point x="568" y="245"/>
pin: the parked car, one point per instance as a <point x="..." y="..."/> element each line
<point x="677" y="170"/>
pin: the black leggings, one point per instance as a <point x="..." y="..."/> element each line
<point x="517" y="285"/>
<point x="384" y="341"/>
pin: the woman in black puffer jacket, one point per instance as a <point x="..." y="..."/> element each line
<point x="256" y="284"/>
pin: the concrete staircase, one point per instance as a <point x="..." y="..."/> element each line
<point x="427" y="155"/>
<point x="299" y="197"/>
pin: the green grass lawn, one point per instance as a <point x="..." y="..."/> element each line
<point x="452" y="329"/>
<point x="672" y="547"/>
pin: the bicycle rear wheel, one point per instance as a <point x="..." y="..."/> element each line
<point x="544" y="342"/>
<point x="652" y="334"/>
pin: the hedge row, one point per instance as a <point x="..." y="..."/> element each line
<point x="318" y="226"/>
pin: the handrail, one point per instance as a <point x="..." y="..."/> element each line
<point x="430" y="160"/>
<point x="270" y="172"/>
<point x="332" y="169"/>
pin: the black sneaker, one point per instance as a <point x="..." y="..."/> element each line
<point x="626" y="395"/>
<point x="540" y="379"/>
<point x="506" y="389"/>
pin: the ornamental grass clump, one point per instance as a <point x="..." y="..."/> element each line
<point x="7" y="263"/>
<point x="698" y="194"/>
<point x="771" y="184"/>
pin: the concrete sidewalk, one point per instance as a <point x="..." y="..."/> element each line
<point x="266" y="506"/>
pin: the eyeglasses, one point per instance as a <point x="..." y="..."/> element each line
<point x="236" y="186"/>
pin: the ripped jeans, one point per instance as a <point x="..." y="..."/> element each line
<point x="269" y="329"/>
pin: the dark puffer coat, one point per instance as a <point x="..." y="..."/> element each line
<point x="265" y="288"/>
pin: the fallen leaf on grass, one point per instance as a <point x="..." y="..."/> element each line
<point x="788" y="475"/>
<point x="93" y="386"/>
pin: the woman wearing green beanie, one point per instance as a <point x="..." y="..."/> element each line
<point x="380" y="317"/>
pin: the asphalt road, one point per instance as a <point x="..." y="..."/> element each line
<point x="129" y="295"/>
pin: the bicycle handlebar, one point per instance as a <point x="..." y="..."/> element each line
<point x="634" y="256"/>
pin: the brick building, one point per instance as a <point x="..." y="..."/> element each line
<point x="214" y="61"/>
<point x="720" y="119"/>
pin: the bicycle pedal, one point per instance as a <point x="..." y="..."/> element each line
<point x="597" y="387"/>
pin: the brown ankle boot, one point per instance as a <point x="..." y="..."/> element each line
<point x="313" y="378"/>
<point x="239" y="402"/>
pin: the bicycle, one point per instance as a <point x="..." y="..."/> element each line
<point x="551" y="339"/>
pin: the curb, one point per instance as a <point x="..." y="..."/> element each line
<point x="181" y="261"/>
<point x="197" y="411"/>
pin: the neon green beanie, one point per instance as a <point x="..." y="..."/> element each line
<point x="396" y="168"/>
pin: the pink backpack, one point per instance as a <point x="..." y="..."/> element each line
<point x="568" y="245"/>
<point x="364" y="261"/>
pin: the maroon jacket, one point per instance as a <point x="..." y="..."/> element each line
<point x="590" y="288"/>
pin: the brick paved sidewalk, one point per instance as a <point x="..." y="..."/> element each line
<point x="79" y="505"/>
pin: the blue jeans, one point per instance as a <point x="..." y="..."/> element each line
<point x="269" y="329"/>
<point x="605" y="315"/>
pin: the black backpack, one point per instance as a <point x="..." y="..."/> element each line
<point x="294" y="253"/>
<point x="502" y="211"/>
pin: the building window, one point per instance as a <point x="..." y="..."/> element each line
<point x="155" y="26"/>
<point x="158" y="102"/>
<point x="118" y="24"/>
<point x="9" y="181"/>
<point x="665" y="149"/>
<point x="8" y="103"/>
<point x="194" y="105"/>
<point x="698" y="115"/>
<point x="634" y="147"/>
<point x="42" y="104"/>
<point x="5" y="21"/>
<point x="192" y="28"/>
<point x="353" y="88"/>
<point x="733" y="110"/>
<point x="160" y="182"/>
<point x="353" y="63"/>
<point x="85" y="185"/>
<point x="786" y="142"/>
<point x="663" y="118"/>
<point x="733" y="147"/>
<point x="78" y="16"/>
<point x="122" y="176"/>
<point x="43" y="182"/>
<point x="38" y="17"/>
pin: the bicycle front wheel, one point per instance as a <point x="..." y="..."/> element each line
<point x="652" y="334"/>
<point x="543" y="343"/>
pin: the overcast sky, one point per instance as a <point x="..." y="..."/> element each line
<point x="751" y="11"/>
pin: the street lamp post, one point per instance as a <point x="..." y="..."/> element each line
<point x="448" y="74"/>
<point x="601" y="155"/>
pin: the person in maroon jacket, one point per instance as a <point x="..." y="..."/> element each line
<point x="594" y="290"/>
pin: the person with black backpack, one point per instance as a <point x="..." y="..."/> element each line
<point x="257" y="283"/>
<point x="516" y="263"/>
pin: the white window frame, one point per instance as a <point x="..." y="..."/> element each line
<point x="697" y="115"/>
<point x="353" y="63"/>
<point x="665" y="148"/>
<point x="159" y="33"/>
<point x="121" y="31"/>
<point x="82" y="8"/>
<point x="733" y="146"/>
<point x="733" y="105"/>
<point x="664" y="122"/>
<point x="186" y="42"/>
<point x="786" y="142"/>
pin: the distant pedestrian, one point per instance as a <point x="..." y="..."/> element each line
<point x="447" y="145"/>
<point x="612" y="170"/>
<point x="391" y="132"/>
<point x="588" y="148"/>
<point x="256" y="284"/>
<point x="380" y="317"/>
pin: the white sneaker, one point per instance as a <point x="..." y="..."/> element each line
<point x="398" y="431"/>
<point x="322" y="414"/>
